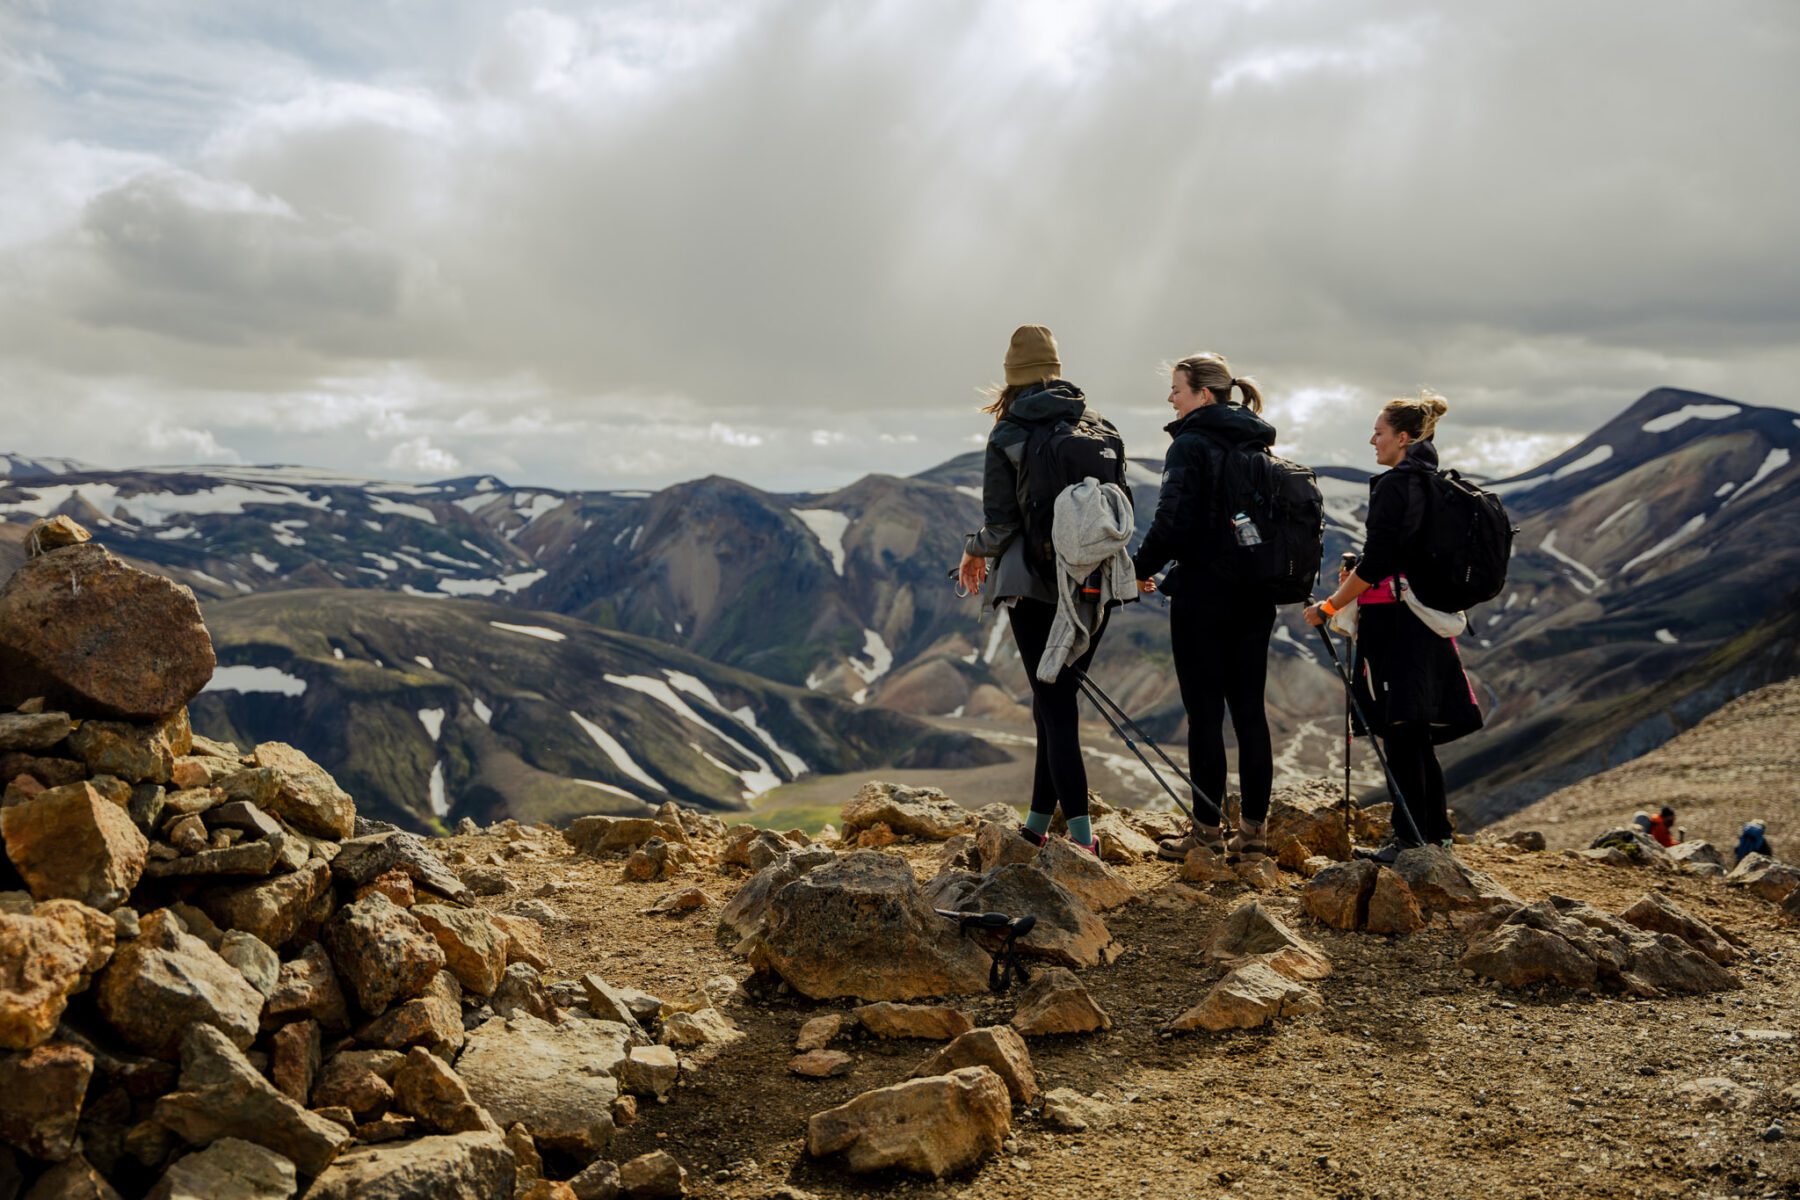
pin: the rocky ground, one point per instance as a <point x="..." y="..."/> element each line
<point x="218" y="979"/>
<point x="1741" y="763"/>
<point x="1415" y="1080"/>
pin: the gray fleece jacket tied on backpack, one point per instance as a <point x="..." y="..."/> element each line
<point x="1092" y="526"/>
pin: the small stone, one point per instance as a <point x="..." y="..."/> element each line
<point x="33" y="731"/>
<point x="934" y="1021"/>
<point x="817" y="1033"/>
<point x="821" y="1064"/>
<point x="360" y="1081"/>
<point x="518" y="1069"/>
<point x="599" y="1180"/>
<point x="432" y="1019"/>
<point x="934" y="1126"/>
<point x="72" y="843"/>
<point x="474" y="948"/>
<point x="393" y="883"/>
<point x="44" y="1088"/>
<point x="166" y="982"/>
<point x="703" y="1029"/>
<point x="46" y="955"/>
<point x="307" y="986"/>
<point x="1392" y="906"/>
<point x="72" y="1179"/>
<point x="521" y="990"/>
<point x="524" y="940"/>
<point x="442" y="1166"/>
<point x="381" y="952"/>
<point x="997" y="1047"/>
<point x="1070" y="1111"/>
<point x="229" y="1169"/>
<point x="1055" y="1002"/>
<point x="259" y="965"/>
<point x="650" y="1071"/>
<point x="653" y="1176"/>
<point x="625" y="1111"/>
<point x="294" y="1055"/>
<point x="1250" y="996"/>
<point x="424" y="1087"/>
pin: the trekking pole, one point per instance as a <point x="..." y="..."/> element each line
<point x="1096" y="697"/>
<point x="1400" y="809"/>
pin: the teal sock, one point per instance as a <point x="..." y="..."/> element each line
<point x="1037" y="822"/>
<point x="1081" y="831"/>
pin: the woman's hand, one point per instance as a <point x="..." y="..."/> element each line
<point x="1315" y="615"/>
<point x="972" y="572"/>
<point x="1146" y="586"/>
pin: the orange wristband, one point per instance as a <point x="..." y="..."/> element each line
<point x="1325" y="607"/>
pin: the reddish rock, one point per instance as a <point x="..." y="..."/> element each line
<point x="44" y="958"/>
<point x="381" y="952"/>
<point x="307" y="988"/>
<point x="133" y="751"/>
<point x="1392" y="906"/>
<point x="308" y="798"/>
<point x="358" y="1080"/>
<point x="44" y="1088"/>
<point x="426" y="1088"/>
<point x="72" y="843"/>
<point x="274" y="909"/>
<point x="92" y="635"/>
<point x="165" y="981"/>
<point x="933" y="1021"/>
<point x="524" y="940"/>
<point x="432" y="1019"/>
<point x="821" y="1064"/>
<point x="294" y="1059"/>
<point x="1339" y="895"/>
<point x="474" y="950"/>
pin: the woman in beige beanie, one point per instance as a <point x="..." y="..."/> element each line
<point x="1035" y="395"/>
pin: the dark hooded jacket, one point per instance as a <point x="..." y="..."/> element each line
<point x="1188" y="526"/>
<point x="1002" y="504"/>
<point x="1397" y="501"/>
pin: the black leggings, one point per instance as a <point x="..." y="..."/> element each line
<point x="1415" y="766"/>
<point x="1059" y="773"/>
<point x="1221" y="645"/>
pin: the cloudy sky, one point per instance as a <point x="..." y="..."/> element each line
<point x="622" y="244"/>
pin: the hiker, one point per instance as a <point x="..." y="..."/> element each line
<point x="1410" y="679"/>
<point x="1662" y="827"/>
<point x="1219" y="631"/>
<point x="1752" y="841"/>
<point x="1040" y="411"/>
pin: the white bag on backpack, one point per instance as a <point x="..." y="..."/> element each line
<point x="1446" y="625"/>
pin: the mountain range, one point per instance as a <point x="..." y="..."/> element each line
<point x="1653" y="579"/>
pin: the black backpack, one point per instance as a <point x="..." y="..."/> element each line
<point x="1465" y="542"/>
<point x="1282" y="504"/>
<point x="1059" y="454"/>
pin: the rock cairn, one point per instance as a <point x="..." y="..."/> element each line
<point x="215" y="979"/>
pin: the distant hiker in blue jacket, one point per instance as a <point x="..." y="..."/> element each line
<point x="1752" y="840"/>
<point x="1035" y="400"/>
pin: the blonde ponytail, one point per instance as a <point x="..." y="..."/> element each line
<point x="1212" y="372"/>
<point x="1416" y="415"/>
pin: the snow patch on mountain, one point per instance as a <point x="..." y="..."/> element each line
<point x="613" y="750"/>
<point x="1586" y="462"/>
<point x="154" y="508"/>
<point x="1616" y="514"/>
<point x="433" y="721"/>
<point x="536" y="631"/>
<point x="488" y="587"/>
<point x="483" y="713"/>
<point x="1548" y="546"/>
<point x="1690" y="412"/>
<point x="1668" y="543"/>
<point x="1777" y="459"/>
<point x="395" y="508"/>
<point x="828" y="527"/>
<point x="440" y="799"/>
<point x="881" y="659"/>
<point x="1666" y="638"/>
<point x="256" y="679"/>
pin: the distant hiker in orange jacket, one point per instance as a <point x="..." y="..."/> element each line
<point x="1662" y="827"/>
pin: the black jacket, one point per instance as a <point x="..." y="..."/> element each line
<point x="1397" y="500"/>
<point x="1002" y="505"/>
<point x="1187" y="526"/>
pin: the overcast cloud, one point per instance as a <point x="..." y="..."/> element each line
<point x="625" y="244"/>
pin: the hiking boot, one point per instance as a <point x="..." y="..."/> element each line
<point x="1247" y="843"/>
<point x="1176" y="849"/>
<point x="1036" y="839"/>
<point x="1092" y="848"/>
<point x="1385" y="854"/>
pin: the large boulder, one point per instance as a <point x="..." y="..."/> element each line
<point x="307" y="797"/>
<point x="274" y="909"/>
<point x="1656" y="912"/>
<point x="1574" y="944"/>
<point x="1251" y="931"/>
<point x="464" y="1166"/>
<point x="44" y="1088"/>
<point x="1067" y="932"/>
<point x="859" y="927"/>
<point x="137" y="752"/>
<point x="1055" y="1001"/>
<point x="1250" y="996"/>
<point x="1305" y="819"/>
<point x="1698" y="853"/>
<point x="998" y="844"/>
<point x="922" y="813"/>
<point x="1097" y="885"/>
<point x="474" y="949"/>
<point x="996" y="1047"/>
<point x="745" y="914"/>
<point x="1758" y="873"/>
<point x="229" y="1169"/>
<point x="602" y="835"/>
<point x="559" y="1081"/>
<point x="45" y="957"/>
<point x="1339" y="895"/>
<point x="360" y="861"/>
<point x="72" y="843"/>
<point x="933" y="1127"/>
<point x="95" y="636"/>
<point x="222" y="1095"/>
<point x="381" y="952"/>
<point x="166" y="982"/>
<point x="1443" y="885"/>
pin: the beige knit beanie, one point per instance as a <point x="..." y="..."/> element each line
<point x="1032" y="357"/>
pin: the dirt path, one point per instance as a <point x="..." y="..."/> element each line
<point x="1416" y="1080"/>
